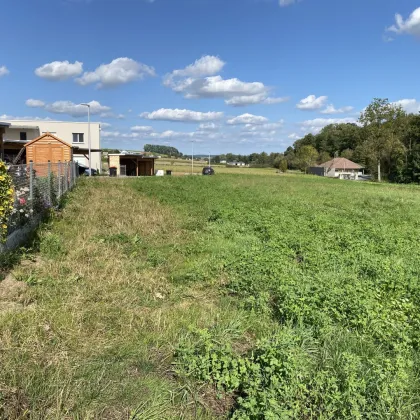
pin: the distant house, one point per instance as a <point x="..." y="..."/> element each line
<point x="223" y="162"/>
<point x="236" y="163"/>
<point x="341" y="168"/>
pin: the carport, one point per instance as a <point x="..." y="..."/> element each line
<point x="128" y="164"/>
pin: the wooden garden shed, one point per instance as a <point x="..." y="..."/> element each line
<point x="48" y="148"/>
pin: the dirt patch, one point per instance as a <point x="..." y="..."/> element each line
<point x="13" y="404"/>
<point x="218" y="403"/>
<point x="12" y="290"/>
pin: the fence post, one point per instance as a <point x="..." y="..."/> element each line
<point x="59" y="179"/>
<point x="31" y="182"/>
<point x="67" y="176"/>
<point x="49" y="183"/>
<point x="72" y="175"/>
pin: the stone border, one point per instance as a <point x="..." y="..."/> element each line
<point x="20" y="236"/>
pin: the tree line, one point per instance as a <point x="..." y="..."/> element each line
<point x="385" y="140"/>
<point x="162" y="150"/>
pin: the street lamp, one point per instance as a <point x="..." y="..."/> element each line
<point x="90" y="153"/>
<point x="192" y="157"/>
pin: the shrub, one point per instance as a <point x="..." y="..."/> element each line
<point x="6" y="200"/>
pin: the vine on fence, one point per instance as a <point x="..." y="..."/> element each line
<point x="6" y="200"/>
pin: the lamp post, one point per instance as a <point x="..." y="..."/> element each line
<point x="90" y="153"/>
<point x="192" y="157"/>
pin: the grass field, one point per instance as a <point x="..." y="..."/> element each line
<point x="251" y="296"/>
<point x="182" y="167"/>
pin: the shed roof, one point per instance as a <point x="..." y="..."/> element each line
<point x="48" y="135"/>
<point x="340" y="163"/>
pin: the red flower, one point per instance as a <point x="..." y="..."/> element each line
<point x="22" y="201"/>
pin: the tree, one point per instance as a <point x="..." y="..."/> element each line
<point x="162" y="150"/>
<point x="306" y="156"/>
<point x="347" y="153"/>
<point x="324" y="157"/>
<point x="382" y="122"/>
<point x="283" y="165"/>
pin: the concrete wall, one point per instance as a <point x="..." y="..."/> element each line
<point x="114" y="161"/>
<point x="64" y="130"/>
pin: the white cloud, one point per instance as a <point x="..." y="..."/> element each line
<point x="330" y="109"/>
<point x="142" y="128"/>
<point x="105" y="125"/>
<point x="59" y="70"/>
<point x="264" y="127"/>
<point x="247" y="119"/>
<point x="70" y="108"/>
<point x="6" y="117"/>
<point x="312" y="103"/>
<point x="182" y="115"/>
<point x="110" y="134"/>
<point x="199" y="80"/>
<point x="35" y="103"/>
<point x="255" y="99"/>
<point x="119" y="71"/>
<point x="409" y="26"/>
<point x="284" y="3"/>
<point x="412" y="106"/>
<point x="4" y="71"/>
<point x="316" y="125"/>
<point x="294" y="136"/>
<point x="205" y="66"/>
<point x="208" y="127"/>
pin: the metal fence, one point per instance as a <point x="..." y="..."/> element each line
<point x="39" y="187"/>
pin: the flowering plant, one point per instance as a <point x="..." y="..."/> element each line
<point x="7" y="198"/>
<point x="22" y="209"/>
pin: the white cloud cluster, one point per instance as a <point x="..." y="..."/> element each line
<point x="247" y="119"/>
<point x="119" y="71"/>
<point x="199" y="80"/>
<point x="181" y="115"/>
<point x="331" y="109"/>
<point x="59" y="70"/>
<point x="311" y="103"/>
<point x="205" y="66"/>
<point x="70" y="108"/>
<point x="409" y="26"/>
<point x="412" y="106"/>
<point x="4" y="71"/>
<point x="316" y="125"/>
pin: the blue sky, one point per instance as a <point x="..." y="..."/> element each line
<point x="233" y="75"/>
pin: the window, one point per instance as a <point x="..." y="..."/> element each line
<point x="23" y="135"/>
<point x="78" y="138"/>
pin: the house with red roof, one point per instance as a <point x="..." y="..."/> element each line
<point x="341" y="168"/>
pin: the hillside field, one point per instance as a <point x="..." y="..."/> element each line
<point x="234" y="296"/>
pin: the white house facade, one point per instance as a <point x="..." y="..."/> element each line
<point x="74" y="133"/>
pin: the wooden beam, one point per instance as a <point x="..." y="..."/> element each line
<point x="137" y="167"/>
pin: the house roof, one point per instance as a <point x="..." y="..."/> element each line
<point x="48" y="135"/>
<point x="340" y="163"/>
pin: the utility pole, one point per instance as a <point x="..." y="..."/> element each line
<point x="90" y="153"/>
